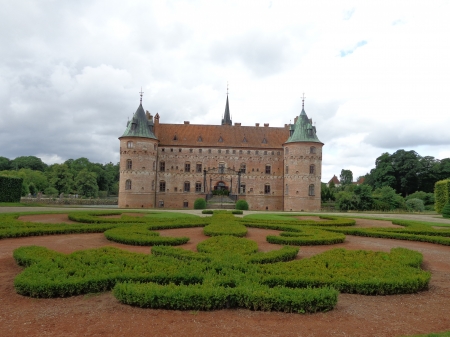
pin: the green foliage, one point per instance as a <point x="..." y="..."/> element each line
<point x="285" y="222"/>
<point x="221" y="192"/>
<point x="441" y="194"/>
<point x="200" y="203"/>
<point x="346" y="201"/>
<point x="387" y="196"/>
<point x="306" y="236"/>
<point x="224" y="224"/>
<point x="10" y="189"/>
<point x="86" y="184"/>
<point x="207" y="211"/>
<point x="60" y="178"/>
<point x="242" y="205"/>
<point x="346" y="177"/>
<point x="220" y="245"/>
<point x="140" y="235"/>
<point x="327" y="193"/>
<point x="4" y="164"/>
<point x="28" y="162"/>
<point x="236" y="211"/>
<point x="427" y="198"/>
<point x="415" y="205"/>
<point x="51" y="192"/>
<point x="446" y="210"/>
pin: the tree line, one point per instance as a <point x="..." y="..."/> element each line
<point x="401" y="180"/>
<point x="74" y="176"/>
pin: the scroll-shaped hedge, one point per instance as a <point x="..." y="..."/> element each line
<point x="359" y="272"/>
<point x="224" y="224"/>
<point x="200" y="297"/>
<point x="307" y="236"/>
<point x="141" y="236"/>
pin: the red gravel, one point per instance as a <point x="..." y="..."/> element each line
<point x="103" y="315"/>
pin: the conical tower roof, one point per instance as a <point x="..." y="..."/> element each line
<point x="139" y="126"/>
<point x="226" y="117"/>
<point x="303" y="130"/>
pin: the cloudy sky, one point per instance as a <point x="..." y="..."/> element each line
<point x="376" y="74"/>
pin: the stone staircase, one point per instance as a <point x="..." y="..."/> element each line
<point x="220" y="202"/>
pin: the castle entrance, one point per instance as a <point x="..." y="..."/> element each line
<point x="220" y="186"/>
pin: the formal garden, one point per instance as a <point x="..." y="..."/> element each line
<point x="226" y="268"/>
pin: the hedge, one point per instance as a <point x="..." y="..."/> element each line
<point x="441" y="194"/>
<point x="10" y="189"/>
<point x="200" y="203"/>
<point x="224" y="224"/>
<point x="142" y="236"/>
<point x="242" y="205"/>
<point x="307" y="237"/>
<point x="200" y="297"/>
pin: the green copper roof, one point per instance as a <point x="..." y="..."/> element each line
<point x="302" y="130"/>
<point x="139" y="126"/>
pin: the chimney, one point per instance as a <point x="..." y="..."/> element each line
<point x="257" y="125"/>
<point x="186" y="122"/>
<point x="266" y="125"/>
<point x="237" y="124"/>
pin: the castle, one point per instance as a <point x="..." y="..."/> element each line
<point x="171" y="165"/>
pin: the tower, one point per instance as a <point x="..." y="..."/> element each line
<point x="138" y="156"/>
<point x="302" y="166"/>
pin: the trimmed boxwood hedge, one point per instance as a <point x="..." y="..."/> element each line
<point x="10" y="189"/>
<point x="224" y="224"/>
<point x="142" y="236"/>
<point x="307" y="237"/>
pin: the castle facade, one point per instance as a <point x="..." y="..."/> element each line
<point x="171" y="165"/>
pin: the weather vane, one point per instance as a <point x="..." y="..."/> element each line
<point x="227" y="88"/>
<point x="141" y="93"/>
<point x="303" y="101"/>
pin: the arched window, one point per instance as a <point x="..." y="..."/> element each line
<point x="162" y="186"/>
<point x="198" y="167"/>
<point x="162" y="166"/>
<point x="243" y="168"/>
<point x="268" y="169"/>
<point x="242" y="188"/>
<point x="312" y="169"/>
<point x="267" y="189"/>
<point x="128" y="184"/>
<point x="129" y="164"/>
<point x="187" y="186"/>
<point x="130" y="145"/>
<point x="187" y="167"/>
<point x="198" y="187"/>
<point x="311" y="190"/>
<point x="312" y="149"/>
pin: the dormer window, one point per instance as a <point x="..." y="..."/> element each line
<point x="220" y="139"/>
<point x="175" y="137"/>
<point x="264" y="141"/>
<point x="244" y="140"/>
<point x="199" y="139"/>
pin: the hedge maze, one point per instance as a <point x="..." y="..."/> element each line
<point x="227" y="271"/>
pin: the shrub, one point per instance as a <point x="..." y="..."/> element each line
<point x="10" y="189"/>
<point x="237" y="212"/>
<point x="207" y="211"/>
<point x="242" y="205"/>
<point x="200" y="203"/>
<point x="51" y="192"/>
<point x="446" y="210"/>
<point x="441" y="194"/>
<point x="415" y="205"/>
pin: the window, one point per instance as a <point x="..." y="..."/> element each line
<point x="129" y="164"/>
<point x="153" y="185"/>
<point x="256" y="152"/>
<point x="185" y="204"/>
<point x="268" y="169"/>
<point x="286" y="171"/>
<point x="219" y="151"/>
<point x="171" y="150"/>
<point x="162" y="166"/>
<point x="240" y="151"/>
<point x="161" y="203"/>
<point x="198" y="187"/>
<point x="234" y="151"/>
<point x="209" y="150"/>
<point x="311" y="190"/>
<point x="248" y="152"/>
<point x="179" y="150"/>
<point x="199" y="139"/>
<point x="278" y="153"/>
<point x="175" y="189"/>
<point x="162" y="186"/>
<point x="191" y="150"/>
<point x="199" y="150"/>
<point x="187" y="167"/>
<point x="129" y="145"/>
<point x="266" y="189"/>
<point x="312" y="169"/>
<point x="243" y="168"/>
<point x="175" y="137"/>
<point x="220" y="139"/>
<point x="221" y="167"/>
<point x="198" y="168"/>
<point x="154" y="165"/>
<point x="187" y="186"/>
<point x="286" y="150"/>
<point x="128" y="184"/>
<point x="265" y="152"/>
<point x="242" y="188"/>
<point x="312" y="149"/>
<point x="227" y="151"/>
<point x="286" y="190"/>
<point x="163" y="150"/>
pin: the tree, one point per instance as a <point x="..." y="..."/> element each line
<point x="5" y="164"/>
<point x="364" y="197"/>
<point x="86" y="183"/>
<point x="346" y="177"/>
<point x="406" y="166"/>
<point x="388" y="196"/>
<point x="30" y="162"/>
<point x="60" y="178"/>
<point x="383" y="174"/>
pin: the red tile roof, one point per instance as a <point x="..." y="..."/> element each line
<point x="221" y="135"/>
<point x="335" y="180"/>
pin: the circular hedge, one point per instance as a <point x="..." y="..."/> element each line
<point x="446" y="210"/>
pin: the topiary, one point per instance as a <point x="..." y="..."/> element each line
<point x="200" y="203"/>
<point x="446" y="210"/>
<point x="242" y="205"/>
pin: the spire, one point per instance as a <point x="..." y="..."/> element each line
<point x="141" y="93"/>
<point x="141" y="124"/>
<point x="226" y="117"/>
